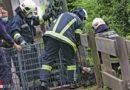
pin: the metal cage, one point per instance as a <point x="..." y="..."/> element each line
<point x="24" y="71"/>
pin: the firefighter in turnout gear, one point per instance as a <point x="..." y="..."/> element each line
<point x="63" y="34"/>
<point x="23" y="30"/>
<point x="100" y="26"/>
<point x="55" y="6"/>
<point x="22" y="27"/>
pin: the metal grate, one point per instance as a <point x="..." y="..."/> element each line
<point x="24" y="67"/>
<point x="24" y="71"/>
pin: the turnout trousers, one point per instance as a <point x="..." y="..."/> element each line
<point x="51" y="53"/>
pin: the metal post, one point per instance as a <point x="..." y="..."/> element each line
<point x="61" y="68"/>
<point x="21" y="71"/>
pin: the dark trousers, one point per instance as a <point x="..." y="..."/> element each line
<point x="4" y="69"/>
<point x="51" y="53"/>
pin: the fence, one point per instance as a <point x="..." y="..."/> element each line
<point x="104" y="72"/>
<point x="24" y="67"/>
<point x="24" y="71"/>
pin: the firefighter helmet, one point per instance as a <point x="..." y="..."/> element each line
<point x="81" y="13"/>
<point x="28" y="6"/>
<point x="97" y="22"/>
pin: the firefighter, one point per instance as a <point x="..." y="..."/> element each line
<point x="4" y="67"/>
<point x="55" y="6"/>
<point x="100" y="26"/>
<point x="62" y="35"/>
<point x="22" y="27"/>
<point x="23" y="31"/>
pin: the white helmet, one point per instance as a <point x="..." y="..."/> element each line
<point x="28" y="6"/>
<point x="97" y="22"/>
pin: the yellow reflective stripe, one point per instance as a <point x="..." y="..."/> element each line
<point x="109" y="32"/>
<point x="67" y="26"/>
<point x="32" y="82"/>
<point x="54" y="21"/>
<point x="79" y="31"/>
<point x="16" y="35"/>
<point x="54" y="29"/>
<point x="51" y="20"/>
<point x="46" y="67"/>
<point x="114" y="59"/>
<point x="63" y="38"/>
<point x="40" y="20"/>
<point x="72" y="67"/>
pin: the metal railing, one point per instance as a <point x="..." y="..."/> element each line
<point x="24" y="67"/>
<point x="24" y="71"/>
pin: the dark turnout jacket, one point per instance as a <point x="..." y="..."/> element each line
<point x="66" y="29"/>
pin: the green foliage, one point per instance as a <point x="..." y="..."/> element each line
<point x="128" y="37"/>
<point x="116" y="13"/>
<point x="70" y="5"/>
<point x="91" y="8"/>
<point x="88" y="56"/>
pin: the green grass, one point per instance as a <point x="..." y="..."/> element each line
<point x="90" y="88"/>
<point x="94" y="88"/>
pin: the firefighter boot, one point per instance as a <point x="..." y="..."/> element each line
<point x="44" y="86"/>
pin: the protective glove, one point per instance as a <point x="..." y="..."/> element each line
<point x="89" y="70"/>
<point x="23" y="43"/>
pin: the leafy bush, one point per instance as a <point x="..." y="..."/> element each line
<point x="128" y="36"/>
<point x="115" y="12"/>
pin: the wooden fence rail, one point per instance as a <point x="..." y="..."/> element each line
<point x="104" y="72"/>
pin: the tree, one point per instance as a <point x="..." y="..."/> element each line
<point x="115" y="12"/>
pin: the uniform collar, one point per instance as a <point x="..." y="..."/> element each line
<point x="102" y="28"/>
